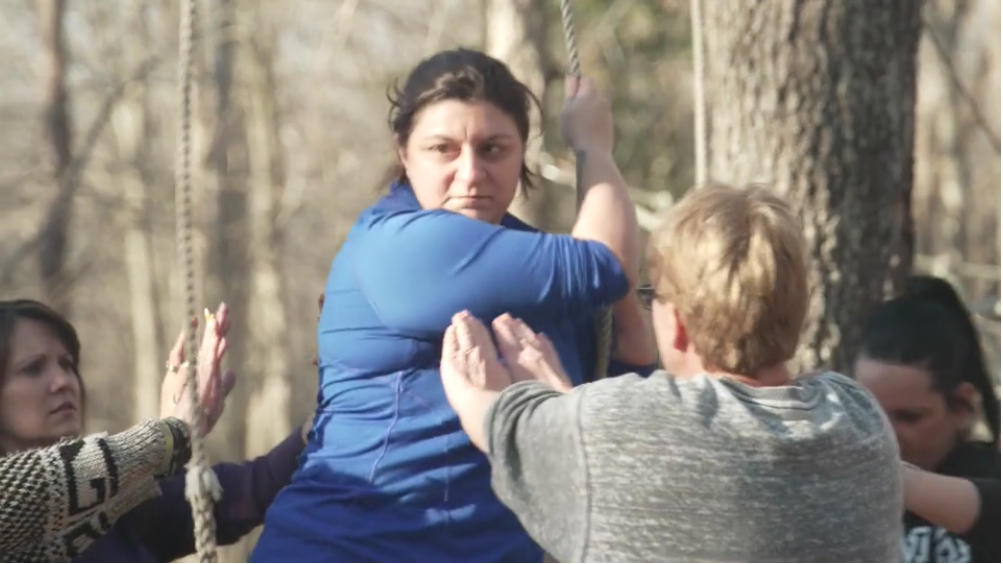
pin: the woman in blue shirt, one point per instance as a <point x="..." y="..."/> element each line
<point x="389" y="475"/>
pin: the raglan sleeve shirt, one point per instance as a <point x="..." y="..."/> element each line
<point x="419" y="268"/>
<point x="532" y="431"/>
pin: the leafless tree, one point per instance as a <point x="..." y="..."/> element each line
<point x="817" y="99"/>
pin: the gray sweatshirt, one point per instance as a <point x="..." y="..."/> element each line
<point x="665" y="469"/>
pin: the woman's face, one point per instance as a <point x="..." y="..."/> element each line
<point x="464" y="157"/>
<point x="926" y="427"/>
<point x="40" y="396"/>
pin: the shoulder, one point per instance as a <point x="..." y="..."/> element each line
<point x="838" y="391"/>
<point x="627" y="397"/>
<point x="842" y="390"/>
<point x="972" y="459"/>
<point x="829" y="379"/>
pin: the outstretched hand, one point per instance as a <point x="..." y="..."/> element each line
<point x="213" y="387"/>
<point x="529" y="355"/>
<point x="473" y="375"/>
<point x="470" y="360"/>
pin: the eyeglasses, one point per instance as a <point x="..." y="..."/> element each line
<point x="646" y="294"/>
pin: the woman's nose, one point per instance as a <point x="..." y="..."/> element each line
<point x="61" y="377"/>
<point x="471" y="166"/>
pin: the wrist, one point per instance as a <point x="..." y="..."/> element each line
<point x="472" y="409"/>
<point x="595" y="152"/>
<point x="177" y="446"/>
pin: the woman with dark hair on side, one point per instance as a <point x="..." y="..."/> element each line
<point x="921" y="358"/>
<point x="966" y="507"/>
<point x="389" y="475"/>
<point x="42" y="401"/>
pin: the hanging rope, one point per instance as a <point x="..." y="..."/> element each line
<point x="604" y="319"/>
<point x="201" y="487"/>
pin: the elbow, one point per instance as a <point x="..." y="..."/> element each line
<point x="615" y="264"/>
<point x="599" y="275"/>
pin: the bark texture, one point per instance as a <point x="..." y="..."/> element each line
<point x="817" y="98"/>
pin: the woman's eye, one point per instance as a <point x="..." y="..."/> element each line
<point x="440" y="148"/>
<point x="493" y="150"/>
<point x="35" y="368"/>
<point x="909" y="417"/>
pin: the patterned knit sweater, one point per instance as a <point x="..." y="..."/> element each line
<point x="56" y="501"/>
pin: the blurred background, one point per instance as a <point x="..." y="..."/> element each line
<point x="291" y="143"/>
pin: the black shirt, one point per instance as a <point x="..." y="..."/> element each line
<point x="924" y="542"/>
<point x="986" y="530"/>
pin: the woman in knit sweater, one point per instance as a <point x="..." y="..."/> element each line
<point x="41" y="513"/>
<point x="42" y="400"/>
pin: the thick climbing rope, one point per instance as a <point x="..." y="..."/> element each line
<point x="604" y="319"/>
<point x="201" y="487"/>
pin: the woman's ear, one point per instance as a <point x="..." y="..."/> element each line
<point x="965" y="405"/>
<point x="400" y="149"/>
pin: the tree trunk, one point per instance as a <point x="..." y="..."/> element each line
<point x="225" y="221"/>
<point x="976" y="62"/>
<point x="816" y="98"/>
<point x="129" y="125"/>
<point x="994" y="118"/>
<point x="516" y="33"/>
<point x="54" y="237"/>
<point x="942" y="178"/>
<point x="268" y="416"/>
<point x="225" y="218"/>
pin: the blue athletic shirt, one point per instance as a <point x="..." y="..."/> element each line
<point x="388" y="474"/>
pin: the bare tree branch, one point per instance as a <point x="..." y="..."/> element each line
<point x="980" y="118"/>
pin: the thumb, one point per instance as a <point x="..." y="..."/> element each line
<point x="228" y="382"/>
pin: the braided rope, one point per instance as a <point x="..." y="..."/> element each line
<point x="604" y="319"/>
<point x="568" y="23"/>
<point x="201" y="488"/>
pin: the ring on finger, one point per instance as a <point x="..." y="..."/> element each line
<point x="175" y="368"/>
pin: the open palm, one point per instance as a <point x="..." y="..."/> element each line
<point x="470" y="360"/>
<point x="213" y="387"/>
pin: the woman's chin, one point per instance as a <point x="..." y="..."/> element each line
<point x="480" y="214"/>
<point x="70" y="427"/>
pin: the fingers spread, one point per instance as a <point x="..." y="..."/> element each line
<point x="481" y="337"/>
<point x="223" y="318"/>
<point x="549" y="352"/>
<point x="464" y="331"/>
<point x="177" y="354"/>
<point x="522" y="331"/>
<point x="228" y="382"/>
<point x="508" y="340"/>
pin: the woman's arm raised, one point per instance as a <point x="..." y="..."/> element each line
<point x="606" y="215"/>
<point x="418" y="268"/>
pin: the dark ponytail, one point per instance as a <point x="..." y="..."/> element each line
<point x="976" y="372"/>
